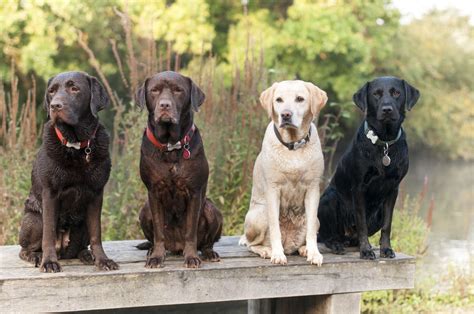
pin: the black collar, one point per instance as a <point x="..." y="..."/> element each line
<point x="293" y="145"/>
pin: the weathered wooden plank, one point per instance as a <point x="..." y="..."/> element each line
<point x="239" y="276"/>
<point x="126" y="252"/>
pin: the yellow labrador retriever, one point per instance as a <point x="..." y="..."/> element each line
<point x="283" y="213"/>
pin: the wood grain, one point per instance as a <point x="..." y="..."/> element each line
<point x="240" y="275"/>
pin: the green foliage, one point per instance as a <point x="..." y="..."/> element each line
<point x="125" y="193"/>
<point x="436" y="54"/>
<point x="15" y="185"/>
<point x="38" y="31"/>
<point x="184" y="23"/>
<point x="409" y="235"/>
<point x="458" y="296"/>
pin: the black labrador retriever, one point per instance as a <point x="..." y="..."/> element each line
<point x="62" y="212"/>
<point x="360" y="198"/>
<point x="177" y="216"/>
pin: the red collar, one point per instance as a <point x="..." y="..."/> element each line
<point x="77" y="145"/>
<point x="182" y="144"/>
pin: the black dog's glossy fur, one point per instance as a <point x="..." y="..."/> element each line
<point x="62" y="212"/>
<point x="177" y="216"/>
<point x="360" y="198"/>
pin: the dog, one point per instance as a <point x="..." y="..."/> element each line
<point x="62" y="213"/>
<point x="177" y="216"/>
<point x="282" y="216"/>
<point x="360" y="198"/>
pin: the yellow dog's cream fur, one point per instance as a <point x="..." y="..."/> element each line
<point x="282" y="217"/>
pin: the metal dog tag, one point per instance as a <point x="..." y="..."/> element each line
<point x="385" y="159"/>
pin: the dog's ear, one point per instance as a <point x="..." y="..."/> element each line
<point x="140" y="95"/>
<point x="46" y="99"/>
<point x="99" y="97"/>
<point x="360" y="98"/>
<point x="411" y="95"/>
<point x="197" y="96"/>
<point x="266" y="99"/>
<point x="318" y="98"/>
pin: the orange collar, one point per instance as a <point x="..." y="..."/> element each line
<point x="182" y="144"/>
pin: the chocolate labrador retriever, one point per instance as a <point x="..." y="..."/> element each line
<point x="62" y="212"/>
<point x="360" y="198"/>
<point x="177" y="216"/>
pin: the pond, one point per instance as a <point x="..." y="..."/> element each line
<point x="451" y="186"/>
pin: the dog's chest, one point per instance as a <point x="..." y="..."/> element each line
<point x="292" y="194"/>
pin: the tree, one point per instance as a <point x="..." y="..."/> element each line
<point x="436" y="54"/>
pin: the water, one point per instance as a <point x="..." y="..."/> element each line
<point x="451" y="185"/>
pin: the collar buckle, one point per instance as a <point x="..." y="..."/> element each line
<point x="293" y="145"/>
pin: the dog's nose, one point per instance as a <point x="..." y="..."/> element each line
<point x="286" y="114"/>
<point x="165" y="104"/>
<point x="387" y="109"/>
<point x="56" y="106"/>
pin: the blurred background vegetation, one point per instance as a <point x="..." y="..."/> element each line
<point x="233" y="50"/>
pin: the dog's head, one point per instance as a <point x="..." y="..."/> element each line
<point x="385" y="100"/>
<point x="72" y="96"/>
<point x="292" y="104"/>
<point x="168" y="96"/>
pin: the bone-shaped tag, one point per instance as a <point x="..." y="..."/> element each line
<point x="74" y="145"/>
<point x="171" y="147"/>
<point x="372" y="137"/>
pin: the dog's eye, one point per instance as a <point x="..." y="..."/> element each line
<point x="74" y="89"/>
<point x="395" y="93"/>
<point x="279" y="99"/>
<point x="155" y="90"/>
<point x="378" y="93"/>
<point x="177" y="90"/>
<point x="51" y="91"/>
<point x="299" y="99"/>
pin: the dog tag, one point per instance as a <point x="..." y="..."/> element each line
<point x="186" y="151"/>
<point x="386" y="160"/>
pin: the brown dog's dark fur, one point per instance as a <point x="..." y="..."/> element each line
<point x="62" y="212"/>
<point x="177" y="216"/>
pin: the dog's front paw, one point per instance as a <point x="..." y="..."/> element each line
<point x="106" y="264"/>
<point x="367" y="253"/>
<point x="302" y="251"/>
<point x="154" y="262"/>
<point x="314" y="257"/>
<point x="192" y="261"/>
<point x="86" y="257"/>
<point x="278" y="258"/>
<point x="387" y="252"/>
<point x="210" y="255"/>
<point x="336" y="247"/>
<point x="48" y="266"/>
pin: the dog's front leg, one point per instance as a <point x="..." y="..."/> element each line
<point x="191" y="258"/>
<point x="358" y="201"/>
<point x="311" y="203"/>
<point x="273" y="210"/>
<point x="94" y="211"/>
<point x="157" y="256"/>
<point x="49" y="262"/>
<point x="385" y="246"/>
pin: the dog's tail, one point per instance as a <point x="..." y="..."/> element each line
<point x="145" y="245"/>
